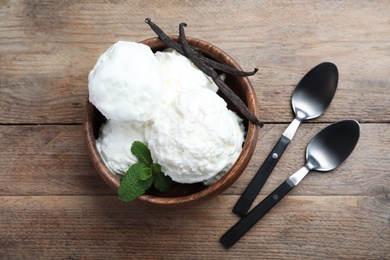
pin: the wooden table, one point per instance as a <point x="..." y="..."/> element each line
<point x="53" y="205"/>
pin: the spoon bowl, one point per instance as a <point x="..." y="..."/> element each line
<point x="315" y="91"/>
<point x="330" y="147"/>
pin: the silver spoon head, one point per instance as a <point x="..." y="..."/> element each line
<point x="315" y="91"/>
<point x="331" y="146"/>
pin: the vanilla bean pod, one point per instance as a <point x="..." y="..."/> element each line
<point x="237" y="102"/>
<point x="214" y="64"/>
<point x="164" y="37"/>
<point x="225" y="68"/>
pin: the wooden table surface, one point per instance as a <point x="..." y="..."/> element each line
<point x="53" y="205"/>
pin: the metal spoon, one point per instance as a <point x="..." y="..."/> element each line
<point x="327" y="150"/>
<point x="310" y="99"/>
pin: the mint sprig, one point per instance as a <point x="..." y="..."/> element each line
<point x="142" y="175"/>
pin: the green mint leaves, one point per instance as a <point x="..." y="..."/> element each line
<point x="141" y="151"/>
<point x="142" y="175"/>
<point x="133" y="184"/>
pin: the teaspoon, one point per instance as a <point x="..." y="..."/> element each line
<point x="327" y="150"/>
<point x="310" y="99"/>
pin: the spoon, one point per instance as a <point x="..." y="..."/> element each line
<point x="310" y="99"/>
<point x="327" y="150"/>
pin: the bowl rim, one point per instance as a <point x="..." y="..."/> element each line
<point x="210" y="191"/>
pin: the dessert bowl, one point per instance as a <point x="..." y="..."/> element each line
<point x="183" y="195"/>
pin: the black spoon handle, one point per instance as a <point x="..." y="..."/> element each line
<point x="242" y="226"/>
<point x="245" y="201"/>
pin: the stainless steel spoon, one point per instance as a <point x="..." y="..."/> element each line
<point x="327" y="150"/>
<point x="310" y="99"/>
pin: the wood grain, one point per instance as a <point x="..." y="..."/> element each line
<point x="41" y="160"/>
<point x="53" y="205"/>
<point x="102" y="227"/>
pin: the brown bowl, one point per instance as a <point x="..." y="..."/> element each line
<point x="184" y="194"/>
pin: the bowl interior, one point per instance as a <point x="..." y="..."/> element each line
<point x="185" y="193"/>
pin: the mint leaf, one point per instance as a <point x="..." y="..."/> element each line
<point x="156" y="168"/>
<point x="145" y="184"/>
<point x="142" y="175"/>
<point x="131" y="186"/>
<point x="142" y="152"/>
<point x="145" y="174"/>
<point x="162" y="182"/>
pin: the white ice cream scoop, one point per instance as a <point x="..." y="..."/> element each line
<point x="126" y="83"/>
<point x="196" y="137"/>
<point x="114" y="143"/>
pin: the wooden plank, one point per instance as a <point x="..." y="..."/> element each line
<point x="38" y="160"/>
<point x="49" y="160"/>
<point x="48" y="48"/>
<point x="90" y="227"/>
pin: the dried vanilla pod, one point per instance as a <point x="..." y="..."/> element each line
<point x="212" y="63"/>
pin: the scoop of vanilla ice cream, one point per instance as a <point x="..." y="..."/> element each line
<point x="196" y="137"/>
<point x="126" y="82"/>
<point x="179" y="73"/>
<point x="114" y="143"/>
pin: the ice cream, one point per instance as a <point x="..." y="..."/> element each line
<point x="196" y="137"/>
<point x="126" y="82"/>
<point x="179" y="74"/>
<point x="114" y="142"/>
<point x="165" y="101"/>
